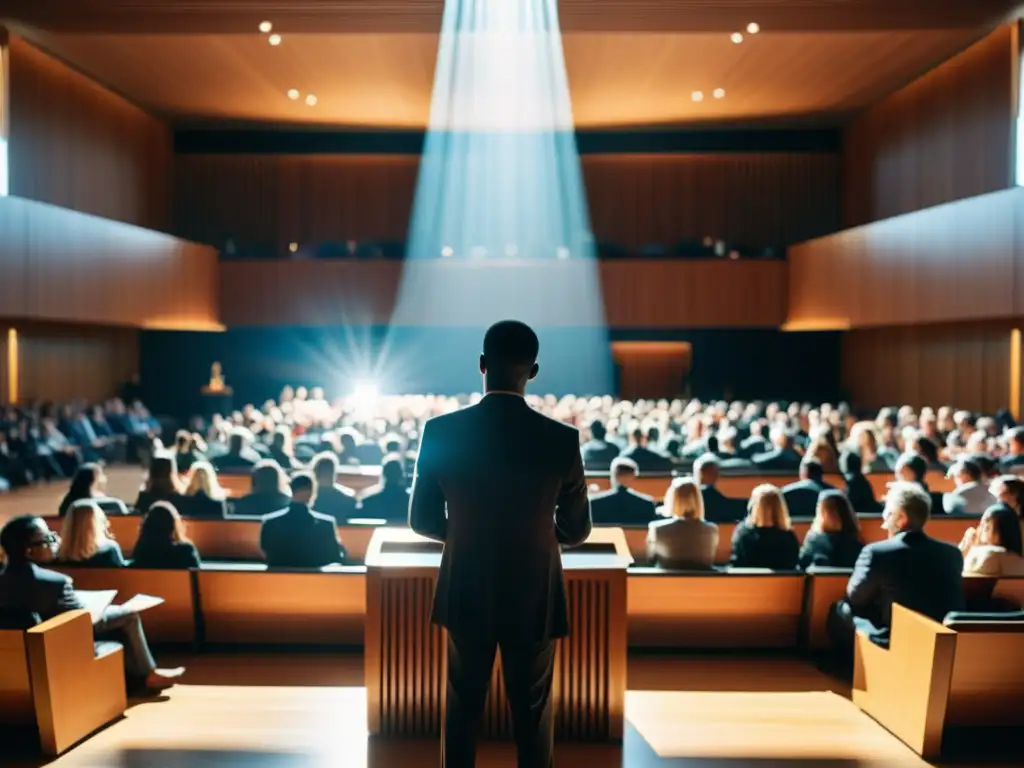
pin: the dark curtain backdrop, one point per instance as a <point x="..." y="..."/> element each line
<point x="258" y="362"/>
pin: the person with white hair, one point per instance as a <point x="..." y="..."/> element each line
<point x="910" y="568"/>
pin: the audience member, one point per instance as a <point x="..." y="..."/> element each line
<point x="269" y="492"/>
<point x="90" y="482"/>
<point x="994" y="548"/>
<point x="281" y="448"/>
<point x="621" y="505"/>
<point x="910" y="568"/>
<point x="834" y="538"/>
<point x="858" y="489"/>
<point x="389" y="502"/>
<point x="298" y="537"/>
<point x="598" y="452"/>
<point x="204" y="499"/>
<point x="971" y="496"/>
<point x="765" y="539"/>
<point x="718" y="508"/>
<point x="29" y="588"/>
<point x="162" y="484"/>
<point x="162" y="543"/>
<point x="86" y="538"/>
<point x="802" y="496"/>
<point x="685" y="540"/>
<point x="913" y="468"/>
<point x="1014" y="458"/>
<point x="240" y="457"/>
<point x="187" y="450"/>
<point x="642" y="454"/>
<point x="1009" y="489"/>
<point x="332" y="498"/>
<point x="781" y="456"/>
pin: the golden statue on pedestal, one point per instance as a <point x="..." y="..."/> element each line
<point x="216" y="379"/>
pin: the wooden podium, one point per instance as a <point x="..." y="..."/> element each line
<point x="406" y="656"/>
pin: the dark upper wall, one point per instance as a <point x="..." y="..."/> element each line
<point x="77" y="145"/>
<point x="946" y="136"/>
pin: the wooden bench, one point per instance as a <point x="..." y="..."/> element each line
<point x="250" y="605"/>
<point x="934" y="677"/>
<point x="741" y="609"/>
<point x="172" y="622"/>
<point x="51" y="678"/>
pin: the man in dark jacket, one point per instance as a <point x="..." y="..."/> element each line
<point x="298" y="537"/>
<point x="621" y="505"/>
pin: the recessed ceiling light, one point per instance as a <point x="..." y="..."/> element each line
<point x="293" y="247"/>
<point x="719" y="93"/>
<point x="293" y="94"/>
<point x="447" y="252"/>
<point x="274" y="39"/>
<point x="753" y="27"/>
<point x="311" y="100"/>
<point x="265" y="27"/>
<point x="737" y="37"/>
<point x="697" y="95"/>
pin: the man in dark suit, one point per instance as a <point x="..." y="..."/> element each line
<point x="298" y="537"/>
<point x="597" y="451"/>
<point x="332" y="498"/>
<point x="621" y="505"/>
<point x="781" y="456"/>
<point x="240" y="456"/>
<point x="718" y="508"/>
<point x="513" y="484"/>
<point x="802" y="496"/>
<point x="27" y="588"/>
<point x="390" y="501"/>
<point x="910" y="568"/>
<point x="646" y="459"/>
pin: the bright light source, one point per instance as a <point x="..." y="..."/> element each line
<point x="719" y="93"/>
<point x="311" y="100"/>
<point x="293" y="94"/>
<point x="265" y="27"/>
<point x="562" y="252"/>
<point x="697" y="95"/>
<point x="274" y="39"/>
<point x="447" y="251"/>
<point x="737" y="37"/>
<point x="364" y="396"/>
<point x="753" y="27"/>
<point x="293" y="247"/>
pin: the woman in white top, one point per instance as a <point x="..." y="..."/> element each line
<point x="995" y="547"/>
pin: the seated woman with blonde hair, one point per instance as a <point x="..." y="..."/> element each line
<point x="995" y="547"/>
<point x="685" y="540"/>
<point x="204" y="498"/>
<point x="765" y="539"/>
<point x="86" y="540"/>
<point x="834" y="538"/>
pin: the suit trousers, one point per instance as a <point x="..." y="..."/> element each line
<point x="528" y="671"/>
<point x="840" y="627"/>
<point x="125" y="627"/>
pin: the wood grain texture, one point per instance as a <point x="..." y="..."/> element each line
<point x="959" y="261"/>
<point x="61" y="265"/>
<point x="77" y="145"/>
<point x="761" y="199"/>
<point x="946" y="136"/>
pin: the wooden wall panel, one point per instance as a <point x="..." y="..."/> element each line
<point x="763" y="199"/>
<point x="62" y="363"/>
<point x="66" y="266"/>
<point x="946" y="136"/>
<point x="77" y="145"/>
<point x="966" y="365"/>
<point x="638" y="293"/>
<point x="959" y="261"/>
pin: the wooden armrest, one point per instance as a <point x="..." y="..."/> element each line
<point x="73" y="693"/>
<point x="906" y="687"/>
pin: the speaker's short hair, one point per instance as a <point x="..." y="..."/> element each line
<point x="511" y="344"/>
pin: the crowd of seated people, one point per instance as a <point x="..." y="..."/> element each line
<point x="43" y="442"/>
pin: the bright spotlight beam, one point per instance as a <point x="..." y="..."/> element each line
<point x="500" y="225"/>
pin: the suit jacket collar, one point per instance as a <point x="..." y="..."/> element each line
<point x="911" y="537"/>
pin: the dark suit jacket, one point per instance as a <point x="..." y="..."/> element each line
<point x="598" y="454"/>
<point x="338" y="502"/>
<point x="773" y="548"/>
<point x="833" y="550"/>
<point x="28" y="588"/>
<point x="107" y="556"/>
<point x="298" y="537"/>
<point x="167" y="557"/>
<point x="911" y="569"/>
<point x="754" y="445"/>
<point x="861" y="494"/>
<point x="260" y="504"/>
<point x="391" y="504"/>
<point x="648" y="460"/>
<point x="719" y="508"/>
<point x="513" y="483"/>
<point x="802" y="497"/>
<point x="202" y="507"/>
<point x="621" y="506"/>
<point x="777" y="459"/>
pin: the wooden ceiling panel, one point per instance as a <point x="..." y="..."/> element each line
<point x="347" y="16"/>
<point x="616" y="79"/>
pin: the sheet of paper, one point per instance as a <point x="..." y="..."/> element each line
<point x="141" y="603"/>
<point x="96" y="602"/>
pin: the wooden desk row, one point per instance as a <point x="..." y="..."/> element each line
<point x="247" y="605"/>
<point x="239" y="538"/>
